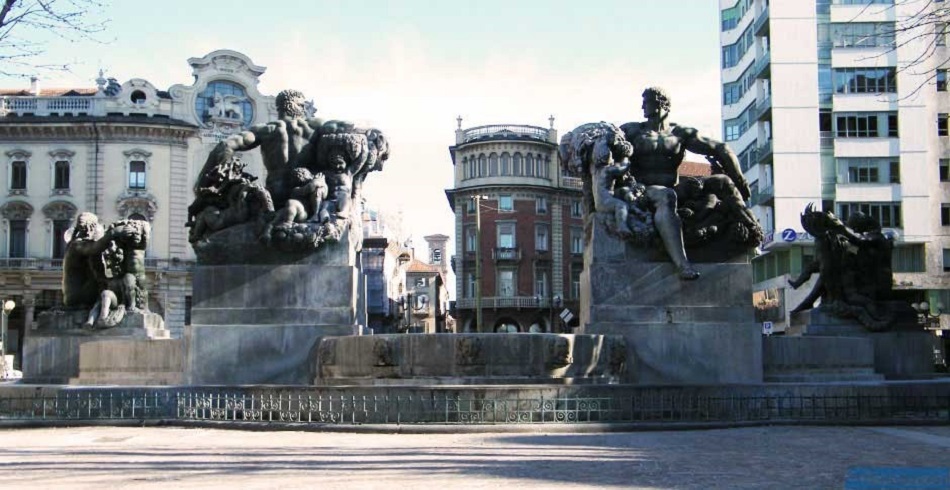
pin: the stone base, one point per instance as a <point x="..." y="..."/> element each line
<point x="818" y="359"/>
<point x="904" y="352"/>
<point x="448" y="359"/>
<point x="254" y="354"/>
<point x="677" y="332"/>
<point x="52" y="354"/>
<point x="136" y="362"/>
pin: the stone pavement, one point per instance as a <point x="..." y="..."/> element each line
<point x="758" y="457"/>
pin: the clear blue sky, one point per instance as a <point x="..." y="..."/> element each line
<point x="410" y="67"/>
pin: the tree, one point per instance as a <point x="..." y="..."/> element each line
<point x="27" y="27"/>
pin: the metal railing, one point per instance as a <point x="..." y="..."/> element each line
<point x="575" y="183"/>
<point x="762" y="67"/>
<point x="45" y="106"/>
<point x="504" y="130"/>
<point x="343" y="407"/>
<point x="761" y="24"/>
<point x="506" y="254"/>
<point x="34" y="263"/>
<point x="764" y="151"/>
<point x="505" y="302"/>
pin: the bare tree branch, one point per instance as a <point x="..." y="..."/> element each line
<point x="26" y="26"/>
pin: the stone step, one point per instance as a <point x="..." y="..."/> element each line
<point x="822" y="375"/>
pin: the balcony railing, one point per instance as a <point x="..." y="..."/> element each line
<point x="761" y="25"/>
<point x="763" y="66"/>
<point x="507" y="254"/>
<point x="494" y="302"/>
<point x="33" y="263"/>
<point x="504" y="131"/>
<point x="763" y="108"/>
<point x="45" y="106"/>
<point x="575" y="183"/>
<point x="764" y="152"/>
<point x="762" y="196"/>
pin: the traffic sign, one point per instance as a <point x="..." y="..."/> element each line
<point x="566" y="315"/>
<point x="767" y="328"/>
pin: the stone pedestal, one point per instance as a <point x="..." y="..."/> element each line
<point x="57" y="352"/>
<point x="469" y="358"/>
<point x="257" y="323"/>
<point x="904" y="351"/>
<point x="677" y="332"/>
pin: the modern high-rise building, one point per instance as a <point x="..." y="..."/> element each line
<point x="832" y="102"/>
<point x="519" y="230"/>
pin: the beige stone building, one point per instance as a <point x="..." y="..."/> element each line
<point x="120" y="150"/>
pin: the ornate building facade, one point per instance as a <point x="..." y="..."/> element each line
<point x="519" y="230"/>
<point x="119" y="150"/>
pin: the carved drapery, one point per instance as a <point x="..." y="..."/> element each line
<point x="137" y="202"/>
<point x="60" y="210"/>
<point x="16" y="210"/>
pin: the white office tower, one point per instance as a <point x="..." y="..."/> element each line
<point x="840" y="104"/>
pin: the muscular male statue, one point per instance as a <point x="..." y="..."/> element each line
<point x="83" y="270"/>
<point x="658" y="149"/>
<point x="280" y="142"/>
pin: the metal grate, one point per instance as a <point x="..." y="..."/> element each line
<point x="310" y="406"/>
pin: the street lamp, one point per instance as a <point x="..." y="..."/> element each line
<point x="929" y="318"/>
<point x="8" y="306"/>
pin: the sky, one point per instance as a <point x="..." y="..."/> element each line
<point x="411" y="67"/>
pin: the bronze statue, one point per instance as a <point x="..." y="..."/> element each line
<point x="853" y="263"/>
<point x="315" y="171"/>
<point x="104" y="271"/>
<point x="632" y="177"/>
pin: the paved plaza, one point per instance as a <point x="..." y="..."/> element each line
<point x="760" y="457"/>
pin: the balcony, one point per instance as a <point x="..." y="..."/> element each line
<point x="763" y="109"/>
<point x="505" y="254"/>
<point x="504" y="131"/>
<point x="39" y="264"/>
<point x="573" y="183"/>
<point x="762" y="196"/>
<point x="763" y="66"/>
<point x="45" y="106"/>
<point x="764" y="152"/>
<point x="761" y="25"/>
<point x="496" y="302"/>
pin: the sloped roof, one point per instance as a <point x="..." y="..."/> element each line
<point x="51" y="92"/>
<point x="419" y="266"/>
<point x="694" y="169"/>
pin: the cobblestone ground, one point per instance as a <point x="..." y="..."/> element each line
<point x="767" y="457"/>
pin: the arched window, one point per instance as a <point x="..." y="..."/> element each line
<point x="505" y="164"/>
<point x="493" y="164"/>
<point x="464" y="168"/>
<point x="529" y="166"/>
<point x="539" y="161"/>
<point x="482" y="165"/>
<point x="517" y="167"/>
<point x="472" y="168"/>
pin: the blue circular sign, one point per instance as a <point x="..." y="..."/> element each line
<point x="789" y="235"/>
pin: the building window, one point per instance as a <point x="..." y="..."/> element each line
<point x="471" y="285"/>
<point x="136" y="174"/>
<point x="576" y="282"/>
<point x="17" y="245"/>
<point x="941" y="80"/>
<point x="576" y="211"/>
<point x="865" y="80"/>
<point x="940" y="31"/>
<point x="541" y="205"/>
<point x="505" y="164"/>
<point x="577" y="241"/>
<point x="945" y="170"/>
<point x="529" y="165"/>
<point x="470" y="239"/>
<point x="542" y="167"/>
<point x="482" y="166"/>
<point x="59" y="237"/>
<point x="470" y="205"/>
<point x="188" y="303"/>
<point x="908" y="258"/>
<point x="518" y="165"/>
<point x="868" y="170"/>
<point x="862" y="34"/>
<point x="493" y="165"/>
<point x="506" y="235"/>
<point x="472" y="168"/>
<point x="506" y="283"/>
<point x="506" y="203"/>
<point x="946" y="260"/>
<point x="464" y="168"/>
<point x="886" y="213"/>
<point x="942" y="120"/>
<point x="61" y="175"/>
<point x="18" y="175"/>
<point x="540" y="282"/>
<point x="541" y="235"/>
<point x="945" y="214"/>
<point x="865" y="125"/>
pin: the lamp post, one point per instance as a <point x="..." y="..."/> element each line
<point x="8" y="306"/>
<point x="555" y="304"/>
<point x="929" y="318"/>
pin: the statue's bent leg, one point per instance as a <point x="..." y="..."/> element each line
<point x="670" y="229"/>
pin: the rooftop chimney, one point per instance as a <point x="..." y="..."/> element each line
<point x="34" y="85"/>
